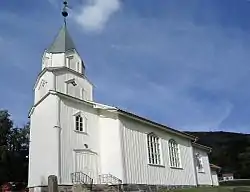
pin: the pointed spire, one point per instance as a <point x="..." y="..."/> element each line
<point x="63" y="42"/>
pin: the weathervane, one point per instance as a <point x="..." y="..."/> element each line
<point x="64" y="11"/>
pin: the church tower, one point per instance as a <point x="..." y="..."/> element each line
<point x="59" y="117"/>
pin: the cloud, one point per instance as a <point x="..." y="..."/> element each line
<point x="95" y="15"/>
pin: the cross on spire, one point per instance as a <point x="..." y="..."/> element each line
<point x="63" y="42"/>
<point x="64" y="10"/>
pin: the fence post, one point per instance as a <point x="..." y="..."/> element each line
<point x="52" y="183"/>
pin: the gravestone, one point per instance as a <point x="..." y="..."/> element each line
<point x="52" y="183"/>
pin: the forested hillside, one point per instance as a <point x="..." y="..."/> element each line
<point x="231" y="151"/>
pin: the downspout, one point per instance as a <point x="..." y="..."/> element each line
<point x="194" y="165"/>
<point x="210" y="170"/>
<point x="58" y="127"/>
<point x="121" y="135"/>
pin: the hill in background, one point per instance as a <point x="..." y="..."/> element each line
<point x="231" y="151"/>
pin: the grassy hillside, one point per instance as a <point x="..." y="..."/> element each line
<point x="231" y="151"/>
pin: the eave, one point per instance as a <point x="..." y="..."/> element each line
<point x="215" y="166"/>
<point x="155" y="124"/>
<point x="55" y="69"/>
<point x="206" y="148"/>
<point x="124" y="113"/>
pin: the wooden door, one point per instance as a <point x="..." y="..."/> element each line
<point x="86" y="162"/>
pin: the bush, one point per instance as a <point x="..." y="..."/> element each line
<point x="236" y="182"/>
<point x="241" y="189"/>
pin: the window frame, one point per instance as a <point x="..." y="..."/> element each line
<point x="83" y="121"/>
<point x="173" y="156"/>
<point x="79" y="123"/>
<point x="69" y="59"/>
<point x="154" y="150"/>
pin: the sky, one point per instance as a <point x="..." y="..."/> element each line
<point x="185" y="64"/>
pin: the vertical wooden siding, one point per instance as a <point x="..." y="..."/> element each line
<point x="137" y="169"/>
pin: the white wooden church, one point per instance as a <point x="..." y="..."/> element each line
<point x="70" y="133"/>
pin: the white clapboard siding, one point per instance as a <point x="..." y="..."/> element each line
<point x="215" y="178"/>
<point x="71" y="140"/>
<point x="135" y="157"/>
<point x="43" y="85"/>
<point x="82" y="84"/>
<point x="86" y="162"/>
<point x="43" y="151"/>
<point x="110" y="145"/>
<point x="204" y="178"/>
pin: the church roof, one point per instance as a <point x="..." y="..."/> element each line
<point x="202" y="146"/>
<point x="167" y="128"/>
<point x="62" y="43"/>
<point x="213" y="166"/>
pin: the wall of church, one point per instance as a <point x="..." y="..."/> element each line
<point x="83" y="89"/>
<point x="135" y="157"/>
<point x="58" y="60"/>
<point x="110" y="145"/>
<point x="215" y="178"/>
<point x="73" y="141"/>
<point x="43" y="159"/>
<point x="204" y="177"/>
<point x="73" y="61"/>
<point x="44" y="84"/>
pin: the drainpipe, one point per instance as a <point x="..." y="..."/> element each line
<point x="194" y="165"/>
<point x="58" y="127"/>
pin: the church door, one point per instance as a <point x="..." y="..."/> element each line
<point x="86" y="162"/>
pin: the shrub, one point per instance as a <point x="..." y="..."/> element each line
<point x="241" y="189"/>
<point x="236" y="182"/>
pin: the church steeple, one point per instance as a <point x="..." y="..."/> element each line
<point x="62" y="43"/>
<point x="62" y="52"/>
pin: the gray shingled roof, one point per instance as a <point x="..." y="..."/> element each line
<point x="62" y="42"/>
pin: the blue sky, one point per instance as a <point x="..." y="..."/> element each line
<point x="182" y="63"/>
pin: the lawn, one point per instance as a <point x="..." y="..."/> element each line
<point x="216" y="189"/>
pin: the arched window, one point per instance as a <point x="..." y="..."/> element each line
<point x="174" y="154"/>
<point x="80" y="123"/>
<point x="154" y="149"/>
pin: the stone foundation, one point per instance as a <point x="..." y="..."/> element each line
<point x="61" y="188"/>
<point x="113" y="188"/>
<point x="152" y="188"/>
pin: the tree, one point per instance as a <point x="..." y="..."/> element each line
<point x="229" y="150"/>
<point x="5" y="127"/>
<point x="5" y="130"/>
<point x="14" y="149"/>
<point x="244" y="158"/>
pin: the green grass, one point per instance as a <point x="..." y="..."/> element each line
<point x="215" y="189"/>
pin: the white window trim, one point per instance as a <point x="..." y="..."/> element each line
<point x="178" y="153"/>
<point x="85" y="123"/>
<point x="68" y="58"/>
<point x="160" y="151"/>
<point x="198" y="155"/>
